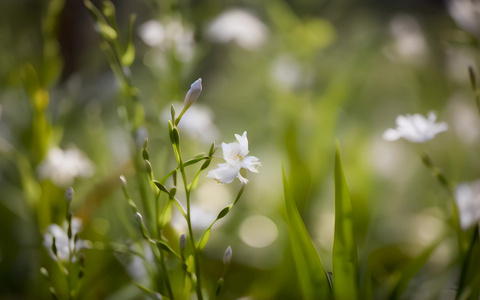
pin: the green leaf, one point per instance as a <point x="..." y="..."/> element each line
<point x="105" y="29"/>
<point x="166" y="214"/>
<point x="345" y="259"/>
<point x="411" y="269"/>
<point x="204" y="239"/>
<point x="311" y="274"/>
<point x="129" y="54"/>
<point x="224" y="212"/>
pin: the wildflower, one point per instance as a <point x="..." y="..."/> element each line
<point x="235" y="155"/>
<point x="63" y="244"/>
<point x="415" y="128"/>
<point x="240" y="26"/>
<point x="467" y="198"/>
<point x="63" y="166"/>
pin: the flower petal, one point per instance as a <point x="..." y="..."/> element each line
<point x="224" y="174"/>
<point x="243" y="141"/>
<point x="251" y="163"/>
<point x="391" y="135"/>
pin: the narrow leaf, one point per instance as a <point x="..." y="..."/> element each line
<point x="129" y="54"/>
<point x="204" y="239"/>
<point x="310" y="272"/>
<point x="345" y="260"/>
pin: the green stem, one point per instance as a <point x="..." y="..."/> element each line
<point x="464" y="269"/>
<point x="189" y="222"/>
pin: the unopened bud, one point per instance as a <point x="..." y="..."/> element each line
<point x="183" y="242"/>
<point x="145" y="154"/>
<point x="145" y="143"/>
<point x="148" y="166"/>
<point x="172" y="112"/>
<point x="44" y="272"/>
<point x="219" y="286"/>
<point x="173" y="191"/>
<point x="69" y="195"/>
<point x="193" y="93"/>
<point x="227" y="257"/>
<point x="141" y="224"/>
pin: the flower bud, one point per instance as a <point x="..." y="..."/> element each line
<point x="219" y="286"/>
<point x="193" y="93"/>
<point x="227" y="257"/>
<point x="148" y="166"/>
<point x="183" y="242"/>
<point x="69" y="195"/>
<point x="44" y="272"/>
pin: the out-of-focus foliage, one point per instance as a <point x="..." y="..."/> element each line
<point x="296" y="75"/>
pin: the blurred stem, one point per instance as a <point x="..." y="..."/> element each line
<point x="178" y="153"/>
<point x="465" y="264"/>
<point x="442" y="179"/>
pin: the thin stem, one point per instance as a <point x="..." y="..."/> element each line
<point x="464" y="269"/>
<point x="189" y="222"/>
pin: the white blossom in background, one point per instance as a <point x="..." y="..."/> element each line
<point x="467" y="198"/>
<point x="235" y="155"/>
<point x="62" y="243"/>
<point x="415" y="128"/>
<point x="63" y="166"/>
<point x="197" y="123"/>
<point x="286" y="71"/>
<point x="170" y="35"/>
<point x="464" y="116"/>
<point x="201" y="217"/>
<point x="409" y="44"/>
<point x="239" y="26"/>
<point x="466" y="14"/>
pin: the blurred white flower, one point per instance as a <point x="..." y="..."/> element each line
<point x="235" y="155"/>
<point x="62" y="243"/>
<point x="197" y="123"/>
<point x="62" y="166"/>
<point x="464" y="118"/>
<point x="415" y="128"/>
<point x="286" y="71"/>
<point x="201" y="218"/>
<point x="171" y="35"/>
<point x="239" y="26"/>
<point x="466" y="14"/>
<point x="467" y="198"/>
<point x="409" y="43"/>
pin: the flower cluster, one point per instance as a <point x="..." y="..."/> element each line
<point x="235" y="155"/>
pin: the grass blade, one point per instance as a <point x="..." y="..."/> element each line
<point x="345" y="259"/>
<point x="311" y="274"/>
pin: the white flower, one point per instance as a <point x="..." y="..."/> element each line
<point x="62" y="243"/>
<point x="415" y="128"/>
<point x="467" y="198"/>
<point x="409" y="43"/>
<point x="171" y="35"/>
<point x="61" y="167"/>
<point x="240" y="26"/>
<point x="235" y="155"/>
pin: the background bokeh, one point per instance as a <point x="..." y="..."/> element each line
<point x="296" y="75"/>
